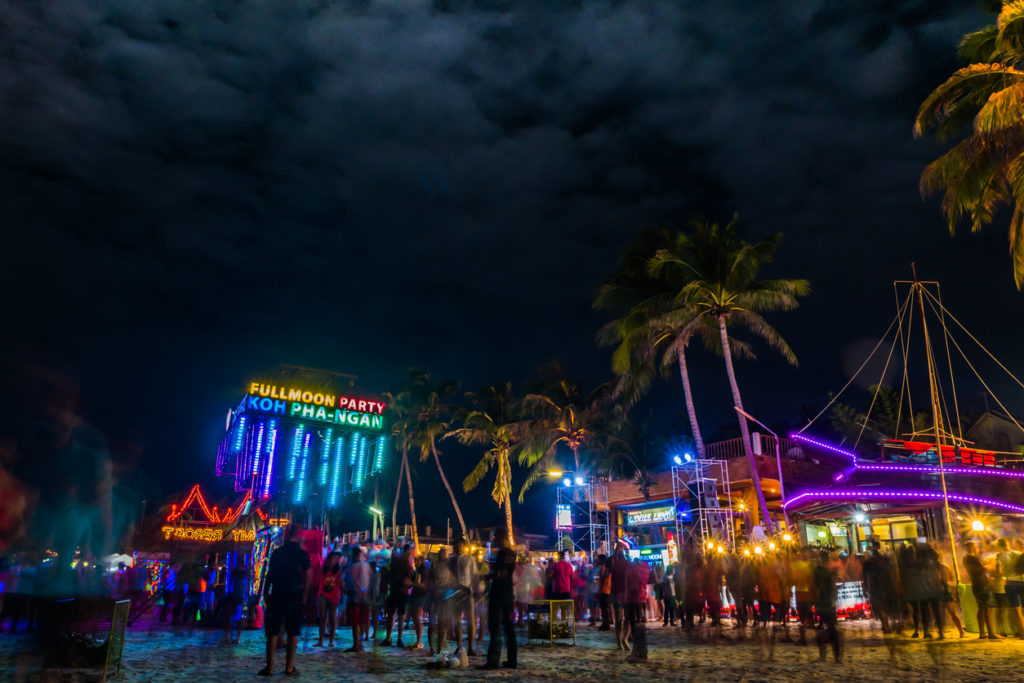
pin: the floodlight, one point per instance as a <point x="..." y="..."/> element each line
<point x="677" y="459"/>
<point x="567" y="481"/>
<point x="579" y="481"/>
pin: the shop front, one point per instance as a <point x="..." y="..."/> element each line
<point x="651" y="528"/>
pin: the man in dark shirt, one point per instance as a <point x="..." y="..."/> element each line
<point x="500" y="604"/>
<point x="285" y="590"/>
<point x="399" y="582"/>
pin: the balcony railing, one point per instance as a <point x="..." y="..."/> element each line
<point x="733" y="448"/>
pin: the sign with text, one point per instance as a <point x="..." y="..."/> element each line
<point x="207" y="534"/>
<point x="563" y="517"/>
<point x="314" y="405"/>
<point x="656" y="515"/>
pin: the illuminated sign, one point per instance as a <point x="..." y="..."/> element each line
<point x="309" y="405"/>
<point x="205" y="534"/>
<point x="291" y="395"/>
<point x="563" y="517"/>
<point x="657" y="515"/>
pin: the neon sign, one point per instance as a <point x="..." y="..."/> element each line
<point x="292" y="395"/>
<point x="206" y="535"/>
<point x="651" y="516"/>
<point x="310" y="411"/>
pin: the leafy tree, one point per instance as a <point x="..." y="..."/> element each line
<point x="983" y="103"/>
<point x="658" y="324"/>
<point x="403" y="426"/>
<point x="431" y="413"/>
<point x="492" y="423"/>
<point x="722" y="283"/>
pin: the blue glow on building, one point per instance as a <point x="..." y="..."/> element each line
<point x="361" y="467"/>
<point x="300" y="486"/>
<point x="236" y="447"/>
<point x="258" y="450"/>
<point x="378" y="460"/>
<point x="271" y="447"/>
<point x="339" y="466"/>
<point x="296" y="451"/>
<point x="325" y="457"/>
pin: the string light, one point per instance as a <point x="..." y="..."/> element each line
<point x="378" y="460"/>
<point x="826" y="446"/>
<point x="293" y="462"/>
<point x="325" y="457"/>
<point x="339" y="462"/>
<point x="358" y="483"/>
<point x="239" y="435"/>
<point x="259" y="448"/>
<point x="271" y="447"/>
<point x="300" y="486"/>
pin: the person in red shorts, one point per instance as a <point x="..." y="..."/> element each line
<point x="357" y="586"/>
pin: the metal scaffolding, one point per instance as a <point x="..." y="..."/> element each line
<point x="588" y="505"/>
<point x="699" y="485"/>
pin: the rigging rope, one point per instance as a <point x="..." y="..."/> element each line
<point x="878" y="386"/>
<point x="905" y="382"/>
<point x="975" y="340"/>
<point x="862" y="366"/>
<point x="994" y="397"/>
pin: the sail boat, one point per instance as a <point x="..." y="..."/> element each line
<point x="932" y="479"/>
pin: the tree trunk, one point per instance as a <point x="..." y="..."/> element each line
<point x="576" y="457"/>
<point x="684" y="374"/>
<point x="505" y="471"/>
<point x="444" y="479"/>
<point x="394" y="508"/>
<point x="412" y="502"/>
<point x="744" y="432"/>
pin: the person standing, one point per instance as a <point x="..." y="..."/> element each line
<point x="981" y="587"/>
<point x="329" y="597"/>
<point x="467" y="577"/>
<point x="636" y="604"/>
<point x="500" y="604"/>
<point x="604" y="591"/>
<point x="561" y="580"/>
<point x="825" y="606"/>
<point x="357" y="588"/>
<point x="285" y="590"/>
<point x="620" y="575"/>
<point x="399" y="582"/>
<point x="1007" y="561"/>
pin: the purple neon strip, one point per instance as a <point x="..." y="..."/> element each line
<point x="927" y="469"/>
<point x="861" y="494"/>
<point x="826" y="446"/>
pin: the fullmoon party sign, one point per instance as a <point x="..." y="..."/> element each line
<point x="309" y="405"/>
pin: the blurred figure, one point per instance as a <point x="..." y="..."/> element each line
<point x="801" y="571"/>
<point x="620" y="566"/>
<point x="1007" y="561"/>
<point x="285" y="591"/>
<point x="604" y="591"/>
<point x="499" y="612"/>
<point x="667" y="597"/>
<point x="636" y="598"/>
<point x="825" y="607"/>
<point x="880" y="586"/>
<point x="982" y="590"/>
<point x="329" y="595"/>
<point x="467" y="577"/>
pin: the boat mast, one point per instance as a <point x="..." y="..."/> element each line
<point x="918" y="287"/>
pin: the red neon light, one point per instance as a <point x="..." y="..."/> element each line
<point x="211" y="515"/>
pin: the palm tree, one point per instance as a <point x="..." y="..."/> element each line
<point x="657" y="326"/>
<point x="491" y="424"/>
<point x="402" y="430"/>
<point x="723" y="286"/>
<point x="558" y="417"/>
<point x="432" y="423"/>
<point x="985" y="170"/>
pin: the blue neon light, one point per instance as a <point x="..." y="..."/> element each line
<point x="378" y="460"/>
<point x="300" y="487"/>
<point x="271" y="446"/>
<point x="259" y="448"/>
<point x="339" y="464"/>
<point x="361" y="467"/>
<point x="296" y="450"/>
<point x="325" y="457"/>
<point x="236" y="447"/>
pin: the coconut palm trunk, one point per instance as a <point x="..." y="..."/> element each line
<point x="744" y="432"/>
<point x="394" y="508"/>
<point x="412" y="502"/>
<point x="444" y="479"/>
<point x="684" y="374"/>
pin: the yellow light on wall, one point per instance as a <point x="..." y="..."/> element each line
<point x="787" y="538"/>
<point x="757" y="550"/>
<point x="977" y="525"/>
<point x="746" y="552"/>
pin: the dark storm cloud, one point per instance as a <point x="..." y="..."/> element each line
<point x="366" y="185"/>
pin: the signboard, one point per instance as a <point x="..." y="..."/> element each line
<point x="655" y="515"/>
<point x="206" y="534"/>
<point x="272" y="399"/>
<point x="850" y="595"/>
<point x="563" y="517"/>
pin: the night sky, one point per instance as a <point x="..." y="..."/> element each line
<point x="193" y="192"/>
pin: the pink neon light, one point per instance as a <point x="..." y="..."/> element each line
<point x="928" y="495"/>
<point x="826" y="446"/>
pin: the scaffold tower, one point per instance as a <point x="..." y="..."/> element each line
<point x="700" y="484"/>
<point x="588" y="506"/>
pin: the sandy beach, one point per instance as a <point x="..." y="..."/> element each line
<point x="159" y="653"/>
